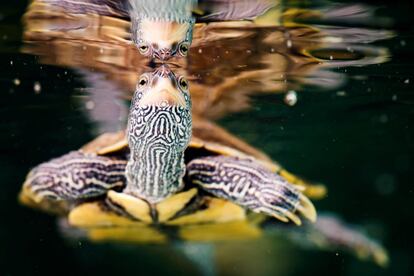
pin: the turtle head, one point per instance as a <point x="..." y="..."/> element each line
<point x="159" y="130"/>
<point x="162" y="29"/>
<point x="163" y="39"/>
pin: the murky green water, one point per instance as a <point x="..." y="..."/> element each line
<point x="350" y="129"/>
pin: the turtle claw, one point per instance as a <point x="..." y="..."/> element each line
<point x="280" y="217"/>
<point x="281" y="214"/>
<point x="306" y="208"/>
<point x="283" y="201"/>
<point x="285" y="217"/>
<point x="294" y="218"/>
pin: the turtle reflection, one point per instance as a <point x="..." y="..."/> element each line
<point x="162" y="29"/>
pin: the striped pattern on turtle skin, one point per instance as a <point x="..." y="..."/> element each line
<point x="179" y="11"/>
<point x="158" y="136"/>
<point x="249" y="184"/>
<point x="116" y="8"/>
<point x="75" y="176"/>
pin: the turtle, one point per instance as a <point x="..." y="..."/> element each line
<point x="212" y="219"/>
<point x="161" y="173"/>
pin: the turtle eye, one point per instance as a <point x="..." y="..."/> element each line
<point x="183" y="49"/>
<point x="183" y="83"/>
<point x="143" y="49"/>
<point x="143" y="81"/>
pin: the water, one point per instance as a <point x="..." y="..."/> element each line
<point x="350" y="129"/>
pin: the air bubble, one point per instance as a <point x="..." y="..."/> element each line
<point x="37" y="87"/>
<point x="90" y="105"/>
<point x="291" y="98"/>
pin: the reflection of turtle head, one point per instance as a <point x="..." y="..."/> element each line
<point x="162" y="29"/>
<point x="159" y="130"/>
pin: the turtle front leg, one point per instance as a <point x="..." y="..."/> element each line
<point x="249" y="184"/>
<point x="72" y="177"/>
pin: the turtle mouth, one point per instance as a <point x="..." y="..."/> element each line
<point x="163" y="90"/>
<point x="163" y="97"/>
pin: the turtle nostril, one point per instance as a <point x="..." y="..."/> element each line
<point x="164" y="54"/>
